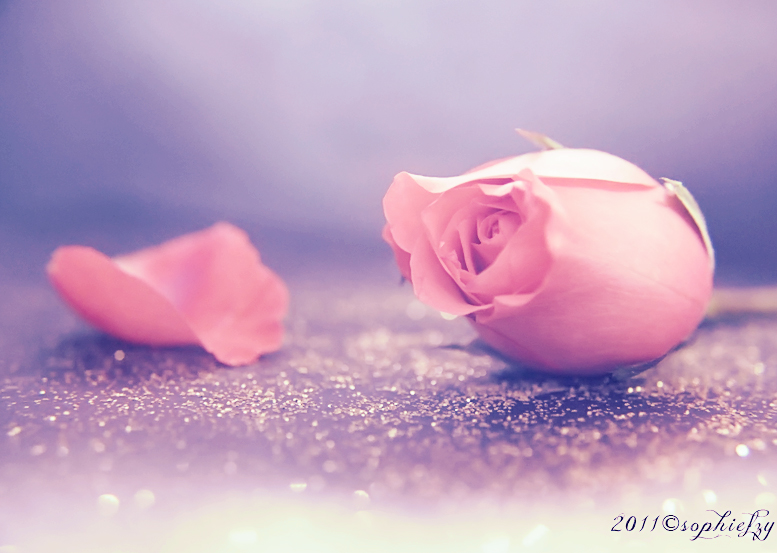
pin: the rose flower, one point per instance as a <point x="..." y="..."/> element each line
<point x="567" y="260"/>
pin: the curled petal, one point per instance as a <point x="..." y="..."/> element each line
<point x="447" y="227"/>
<point x="208" y="288"/>
<point x="567" y="163"/>
<point x="433" y="285"/>
<point x="114" y="301"/>
<point x="527" y="256"/>
<point x="402" y="205"/>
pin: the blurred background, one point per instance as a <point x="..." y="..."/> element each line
<point x="292" y="116"/>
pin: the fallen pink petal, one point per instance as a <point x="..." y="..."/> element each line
<point x="207" y="288"/>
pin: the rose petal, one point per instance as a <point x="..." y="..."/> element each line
<point x="566" y="163"/>
<point x="583" y="164"/>
<point x="679" y="261"/>
<point x="584" y="327"/>
<point x="402" y="205"/>
<point x="633" y="298"/>
<point x="402" y="257"/>
<point x="448" y="222"/>
<point x="466" y="233"/>
<point x="114" y="301"/>
<point x="208" y="288"/>
<point x="433" y="285"/>
<point x="523" y="264"/>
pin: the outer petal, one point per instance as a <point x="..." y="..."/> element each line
<point x="645" y="232"/>
<point x="606" y="320"/>
<point x="566" y="163"/>
<point x="403" y="203"/>
<point x="402" y="257"/>
<point x="213" y="280"/>
<point x="584" y="164"/>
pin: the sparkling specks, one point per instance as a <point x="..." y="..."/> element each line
<point x="742" y="450"/>
<point x="376" y="399"/>
<point x="108" y="504"/>
<point x="144" y="499"/>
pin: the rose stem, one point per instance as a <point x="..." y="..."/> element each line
<point x="728" y="301"/>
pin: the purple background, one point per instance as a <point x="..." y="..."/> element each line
<point x="294" y="115"/>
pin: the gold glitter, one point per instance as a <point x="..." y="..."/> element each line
<point x="144" y="499"/>
<point x="108" y="504"/>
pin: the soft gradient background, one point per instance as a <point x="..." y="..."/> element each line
<point x="294" y="115"/>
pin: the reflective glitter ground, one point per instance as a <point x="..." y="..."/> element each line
<point x="379" y="426"/>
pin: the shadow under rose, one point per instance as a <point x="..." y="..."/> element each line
<point x="517" y="373"/>
<point x="589" y="403"/>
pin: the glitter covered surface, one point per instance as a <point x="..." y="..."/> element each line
<point x="378" y="422"/>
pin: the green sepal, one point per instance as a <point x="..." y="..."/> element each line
<point x="544" y="142"/>
<point x="692" y="207"/>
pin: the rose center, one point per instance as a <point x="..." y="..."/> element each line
<point x="492" y="229"/>
<point x="493" y="232"/>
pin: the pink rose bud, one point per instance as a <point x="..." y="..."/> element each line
<point x="567" y="260"/>
<point x="207" y="288"/>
